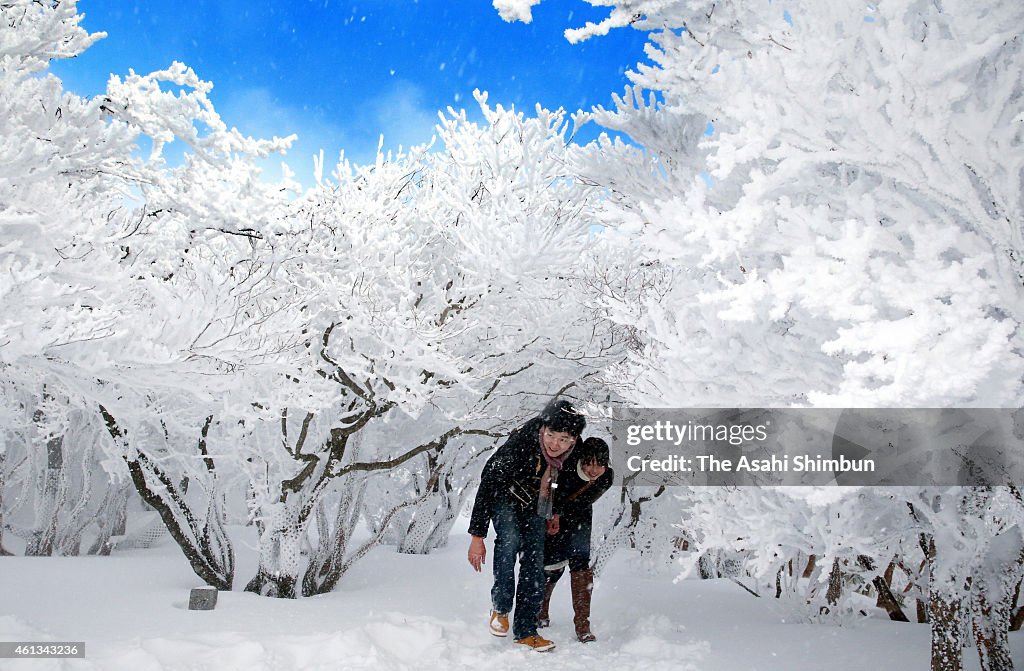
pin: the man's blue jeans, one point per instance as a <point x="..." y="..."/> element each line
<point x="518" y="534"/>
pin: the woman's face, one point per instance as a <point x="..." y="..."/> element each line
<point x="555" y="443"/>
<point x="592" y="469"/>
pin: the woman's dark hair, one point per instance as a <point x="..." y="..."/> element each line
<point x="561" y="417"/>
<point x="594" y="450"/>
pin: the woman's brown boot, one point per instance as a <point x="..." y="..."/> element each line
<point x="582" y="583"/>
<point x="543" y="618"/>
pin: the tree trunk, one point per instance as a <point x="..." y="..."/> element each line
<point x="995" y="587"/>
<point x="946" y="648"/>
<point x="280" y="550"/>
<point x="812" y="560"/>
<point x="110" y="519"/>
<point x="3" y="552"/>
<point x="707" y="565"/>
<point x="265" y="583"/>
<point x="883" y="585"/>
<point x="835" y="584"/>
<point x="203" y="541"/>
<point x="52" y="490"/>
<point x="944" y="608"/>
<point x="334" y="532"/>
<point x="1018" y="620"/>
<point x="332" y="559"/>
<point x="207" y="549"/>
<point x="1017" y="610"/>
<point x="990" y="619"/>
<point x="887" y="600"/>
<point x="624" y="530"/>
<point x="434" y="518"/>
<point x="425" y="519"/>
<point x="69" y="539"/>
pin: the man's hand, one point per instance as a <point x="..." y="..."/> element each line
<point x="553" y="525"/>
<point x="477" y="553"/>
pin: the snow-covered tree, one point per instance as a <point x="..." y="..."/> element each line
<point x="839" y="209"/>
<point x="512" y="237"/>
<point x="133" y="293"/>
<point x="862" y="211"/>
<point x="443" y="293"/>
<point x="213" y="329"/>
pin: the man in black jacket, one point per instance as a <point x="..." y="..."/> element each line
<point x="585" y="477"/>
<point x="516" y="495"/>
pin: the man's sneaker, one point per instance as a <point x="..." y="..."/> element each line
<point x="499" y="623"/>
<point x="536" y="643"/>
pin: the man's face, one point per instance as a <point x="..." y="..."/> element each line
<point x="555" y="443"/>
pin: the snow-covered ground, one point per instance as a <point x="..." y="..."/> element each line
<point x="421" y="612"/>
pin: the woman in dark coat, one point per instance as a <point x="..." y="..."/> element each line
<point x="584" y="478"/>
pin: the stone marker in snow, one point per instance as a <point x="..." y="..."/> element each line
<point x="202" y="598"/>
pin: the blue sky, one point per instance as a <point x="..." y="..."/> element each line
<point x="340" y="73"/>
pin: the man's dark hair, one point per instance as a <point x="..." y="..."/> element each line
<point x="594" y="450"/>
<point x="561" y="417"/>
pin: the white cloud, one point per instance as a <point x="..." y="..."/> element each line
<point x="401" y="114"/>
<point x="516" y="10"/>
<point x="255" y="112"/>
